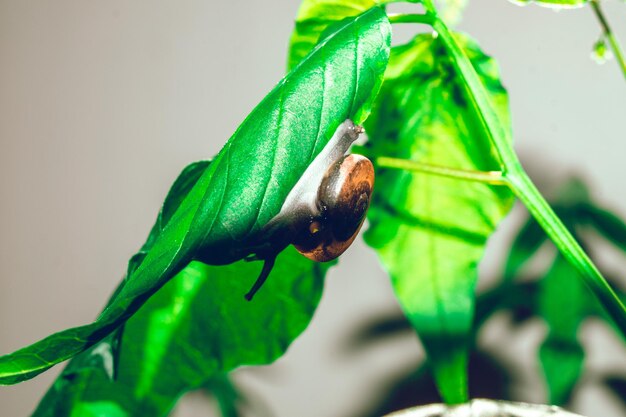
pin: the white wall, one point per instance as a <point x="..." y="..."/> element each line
<point x="102" y="104"/>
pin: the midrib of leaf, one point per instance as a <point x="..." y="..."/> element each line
<point x="318" y="133"/>
<point x="441" y="311"/>
<point x="277" y="135"/>
<point x="223" y="185"/>
<point x="355" y="79"/>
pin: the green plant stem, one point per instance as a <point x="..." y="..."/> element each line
<point x="525" y="189"/>
<point x="478" y="101"/>
<point x="519" y="181"/>
<point x="615" y="46"/>
<point x="410" y="18"/>
<point x="491" y="177"/>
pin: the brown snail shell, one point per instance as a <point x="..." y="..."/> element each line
<point x="343" y="198"/>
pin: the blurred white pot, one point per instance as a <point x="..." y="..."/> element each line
<point x="485" y="408"/>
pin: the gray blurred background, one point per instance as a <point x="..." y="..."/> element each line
<point x="103" y="103"/>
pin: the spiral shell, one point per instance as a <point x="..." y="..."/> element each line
<point x="343" y="198"/>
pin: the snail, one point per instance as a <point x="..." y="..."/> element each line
<point x="343" y="199"/>
<point x="325" y="210"/>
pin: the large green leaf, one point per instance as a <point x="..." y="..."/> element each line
<point x="430" y="232"/>
<point x="247" y="182"/>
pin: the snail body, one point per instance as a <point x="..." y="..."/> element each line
<point x="323" y="212"/>
<point x="319" y="210"/>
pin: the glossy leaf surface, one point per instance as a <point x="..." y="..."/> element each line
<point x="430" y="232"/>
<point x="246" y="183"/>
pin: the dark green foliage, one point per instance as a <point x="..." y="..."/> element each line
<point x="556" y="296"/>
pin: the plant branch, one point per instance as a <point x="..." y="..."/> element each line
<point x="521" y="184"/>
<point x="491" y="177"/>
<point x="615" y="46"/>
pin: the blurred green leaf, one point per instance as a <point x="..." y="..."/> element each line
<point x="618" y="386"/>
<point x="608" y="224"/>
<point x="195" y="328"/>
<point x="430" y="232"/>
<point x="563" y="305"/>
<point x="192" y="331"/>
<point x="518" y="298"/>
<point x="573" y="193"/>
<point x="247" y="182"/>
<point x="527" y="242"/>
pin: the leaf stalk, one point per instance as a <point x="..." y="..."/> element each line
<point x="426" y="19"/>
<point x="489" y="177"/>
